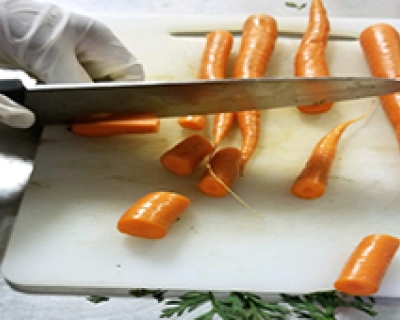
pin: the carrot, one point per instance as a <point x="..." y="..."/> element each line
<point x="310" y="57"/>
<point x="183" y="158"/>
<point x="258" y="42"/>
<point x="381" y="46"/>
<point x="221" y="172"/>
<point x="364" y="270"/>
<point x="311" y="182"/>
<point x="152" y="216"/>
<point x="193" y="122"/>
<point x="212" y="66"/>
<point x="116" y="125"/>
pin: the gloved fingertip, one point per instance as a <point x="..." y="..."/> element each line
<point x="20" y="119"/>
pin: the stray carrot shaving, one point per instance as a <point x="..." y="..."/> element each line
<point x="234" y="194"/>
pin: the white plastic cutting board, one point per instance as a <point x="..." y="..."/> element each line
<point x="65" y="236"/>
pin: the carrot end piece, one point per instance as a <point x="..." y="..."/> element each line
<point x="183" y="158"/>
<point x="364" y="270"/>
<point x="152" y="216"/>
<point x="308" y="189"/>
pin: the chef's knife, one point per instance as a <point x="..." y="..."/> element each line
<point x="66" y="103"/>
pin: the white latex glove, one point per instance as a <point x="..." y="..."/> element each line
<point x="55" y="46"/>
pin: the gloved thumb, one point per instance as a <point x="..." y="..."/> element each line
<point x="15" y="115"/>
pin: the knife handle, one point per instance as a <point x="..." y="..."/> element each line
<point x="14" y="89"/>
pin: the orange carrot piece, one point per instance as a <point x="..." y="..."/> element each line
<point x="310" y="57"/>
<point x="312" y="181"/>
<point x="193" y="122"/>
<point x="117" y="125"/>
<point x="258" y="42"/>
<point x="212" y="66"/>
<point x="184" y="157"/>
<point x="364" y="270"/>
<point x="381" y="46"/>
<point x="222" y="123"/>
<point x="225" y="166"/>
<point x="152" y="216"/>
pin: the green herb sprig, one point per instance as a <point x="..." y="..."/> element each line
<point x="295" y="5"/>
<point x="97" y="299"/>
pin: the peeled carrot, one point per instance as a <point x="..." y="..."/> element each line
<point x="193" y="122"/>
<point x="152" y="216"/>
<point x="258" y="42"/>
<point x="310" y="57"/>
<point x="183" y="158"/>
<point x="116" y="125"/>
<point x="223" y="167"/>
<point x="212" y="66"/>
<point x="364" y="270"/>
<point x="312" y="181"/>
<point x="381" y="46"/>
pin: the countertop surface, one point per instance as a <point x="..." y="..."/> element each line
<point x="17" y="149"/>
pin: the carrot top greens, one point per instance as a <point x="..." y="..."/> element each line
<point x="321" y="305"/>
<point x="244" y="305"/>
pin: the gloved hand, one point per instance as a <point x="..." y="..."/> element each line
<point x="54" y="46"/>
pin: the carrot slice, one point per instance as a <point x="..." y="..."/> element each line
<point x="225" y="166"/>
<point x="364" y="270"/>
<point x="311" y="182"/>
<point x="212" y="66"/>
<point x="381" y="46"/>
<point x="258" y="42"/>
<point x="183" y="158"/>
<point x="193" y="122"/>
<point x="310" y="57"/>
<point x="117" y="125"/>
<point x="152" y="216"/>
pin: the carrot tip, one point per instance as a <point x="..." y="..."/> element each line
<point x="308" y="189"/>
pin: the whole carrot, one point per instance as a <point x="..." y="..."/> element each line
<point x="258" y="42"/>
<point x="183" y="158"/>
<point x="222" y="170"/>
<point x="116" y="125"/>
<point x="312" y="181"/>
<point x="152" y="216"/>
<point x="381" y="46"/>
<point x="310" y="57"/>
<point x="364" y="270"/>
<point x="212" y="66"/>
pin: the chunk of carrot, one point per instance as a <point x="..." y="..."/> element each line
<point x="183" y="158"/>
<point x="152" y="216"/>
<point x="364" y="270"/>
<point x="117" y="125"/>
<point x="192" y="122"/>
<point x="223" y="167"/>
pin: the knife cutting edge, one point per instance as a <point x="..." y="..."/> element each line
<point x="55" y="104"/>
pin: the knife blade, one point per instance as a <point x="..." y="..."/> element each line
<point x="55" y="104"/>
